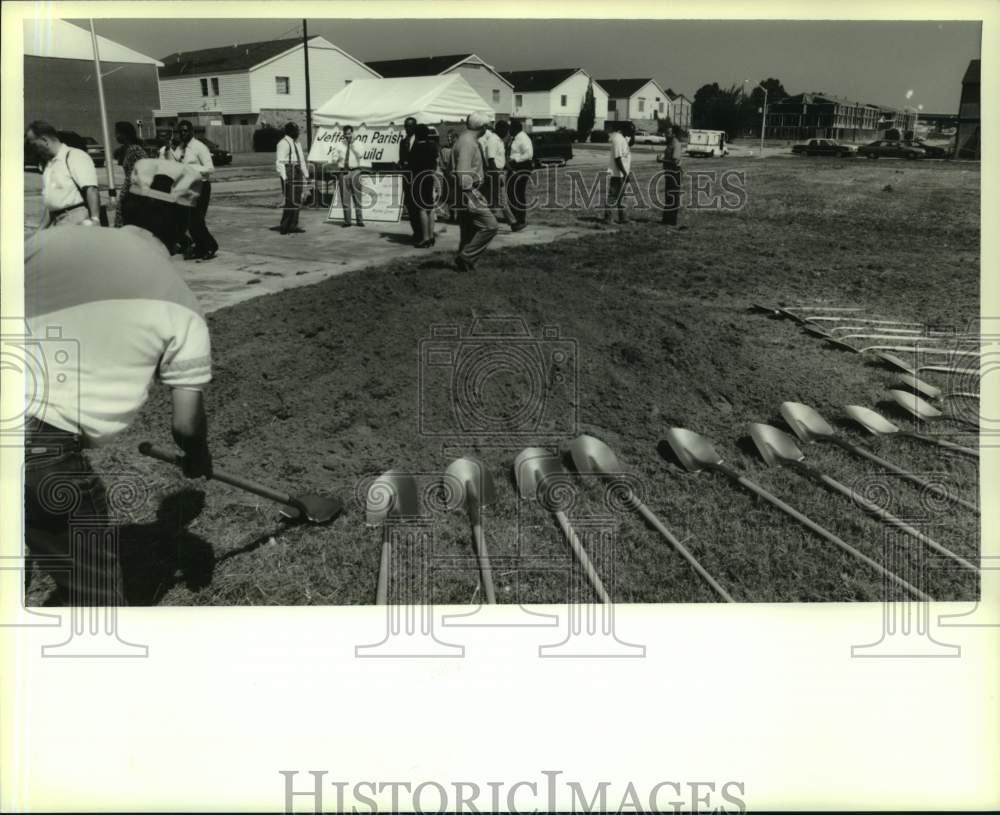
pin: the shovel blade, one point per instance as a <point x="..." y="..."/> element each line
<point x="915" y="405"/>
<point x="896" y="362"/>
<point x="392" y="493"/>
<point x="695" y="452"/>
<point x="318" y="509"/>
<point x="532" y="467"/>
<point x="921" y="387"/>
<point x="468" y="480"/>
<point x="874" y="423"/>
<point x="775" y="446"/>
<point x="593" y="456"/>
<point x="805" y="422"/>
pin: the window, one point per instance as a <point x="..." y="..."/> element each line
<point x="215" y="86"/>
<point x="612" y="104"/>
<point x="204" y="87"/>
<point x="562" y="100"/>
<point x="642" y="104"/>
<point x="518" y="100"/>
<point x="661" y="107"/>
<point x="348" y="81"/>
<point x="496" y="96"/>
<point x="281" y="85"/>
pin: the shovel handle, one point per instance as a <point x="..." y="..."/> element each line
<point x="874" y="509"/>
<point x="382" y="589"/>
<point x="170" y="457"/>
<point x="581" y="556"/>
<point x="892" y="468"/>
<point x="947" y="445"/>
<point x="485" y="570"/>
<point x="825" y="533"/>
<point x="647" y="513"/>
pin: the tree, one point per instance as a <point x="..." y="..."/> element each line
<point x="750" y="115"/>
<point x="588" y="114"/>
<point x="716" y="108"/>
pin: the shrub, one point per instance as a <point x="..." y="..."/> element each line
<point x="265" y="139"/>
<point x="599" y="136"/>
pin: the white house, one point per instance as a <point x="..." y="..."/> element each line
<point x="680" y="109"/>
<point x="496" y="91"/>
<point x="640" y="101"/>
<point x="253" y="83"/>
<point x="554" y="96"/>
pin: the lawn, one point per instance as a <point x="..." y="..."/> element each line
<point x="319" y="388"/>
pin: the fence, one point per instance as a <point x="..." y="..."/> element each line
<point x="234" y="138"/>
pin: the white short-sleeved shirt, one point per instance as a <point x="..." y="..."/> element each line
<point x="619" y="149"/>
<point x="196" y="154"/>
<point x="58" y="188"/>
<point x="289" y="151"/>
<point x="493" y="148"/>
<point x="521" y="148"/>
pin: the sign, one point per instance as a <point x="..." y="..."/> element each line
<point x="377" y="144"/>
<point x="381" y="198"/>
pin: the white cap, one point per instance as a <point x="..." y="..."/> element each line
<point x="476" y="120"/>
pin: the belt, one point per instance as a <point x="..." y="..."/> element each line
<point x="57" y="212"/>
<point x="41" y="438"/>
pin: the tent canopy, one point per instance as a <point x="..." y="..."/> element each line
<point x="381" y="102"/>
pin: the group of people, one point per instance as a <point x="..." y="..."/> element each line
<point x="620" y="177"/>
<point x="70" y="192"/>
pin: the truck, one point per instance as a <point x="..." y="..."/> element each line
<point x="824" y="147"/>
<point x="707" y="143"/>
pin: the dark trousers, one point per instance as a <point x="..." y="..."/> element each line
<point x="671" y="195"/>
<point x="203" y="242"/>
<point x="412" y="213"/>
<point x="291" y="187"/>
<point x="69" y="531"/>
<point x="517" y="194"/>
<point x="476" y="224"/>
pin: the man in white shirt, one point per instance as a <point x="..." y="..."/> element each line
<point x="69" y="180"/>
<point x="293" y="171"/>
<point x="520" y="165"/>
<point x="193" y="152"/>
<point x="346" y="157"/>
<point x="495" y="153"/>
<point x="619" y="170"/>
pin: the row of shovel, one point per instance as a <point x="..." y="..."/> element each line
<point x="470" y="484"/>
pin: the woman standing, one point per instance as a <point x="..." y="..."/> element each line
<point x="423" y="164"/>
<point x="125" y="134"/>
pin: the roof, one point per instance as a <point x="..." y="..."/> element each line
<point x="59" y="39"/>
<point x="538" y="80"/>
<point x="971" y="73"/>
<point x="812" y="98"/>
<point x="620" y="88"/>
<point x="416" y="66"/>
<point x="226" y="59"/>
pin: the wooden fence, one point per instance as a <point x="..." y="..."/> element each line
<point x="234" y="138"/>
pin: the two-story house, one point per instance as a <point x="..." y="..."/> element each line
<point x="496" y="91"/>
<point x="555" y="96"/>
<point x="679" y="109"/>
<point x="640" y="101"/>
<point x="253" y="83"/>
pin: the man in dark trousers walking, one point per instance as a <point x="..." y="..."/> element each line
<point x="293" y="170"/>
<point x="409" y="137"/>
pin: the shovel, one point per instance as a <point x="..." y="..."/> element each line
<point x="391" y="494"/>
<point x="930" y="391"/>
<point x="777" y="447"/>
<point x="697" y="453"/>
<point x="809" y="426"/>
<point x="594" y="457"/>
<point x="896" y="362"/>
<point x="473" y="487"/>
<point x="923" y="409"/>
<point x="317" y="509"/>
<point x="532" y="468"/>
<point x="877" y="425"/>
<point x="906" y="333"/>
<point x="839" y="341"/>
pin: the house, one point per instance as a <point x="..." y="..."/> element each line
<point x="554" y="96"/>
<point x="640" y="101"/>
<point x="496" y="91"/>
<point x="967" y="143"/>
<point x="822" y="115"/>
<point x="679" y="107"/>
<point x="59" y="84"/>
<point x="253" y="83"/>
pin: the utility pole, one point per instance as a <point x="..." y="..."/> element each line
<point x="108" y="157"/>
<point x="305" y="52"/>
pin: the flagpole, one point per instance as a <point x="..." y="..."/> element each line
<point x="305" y="52"/>
<point x="108" y="157"/>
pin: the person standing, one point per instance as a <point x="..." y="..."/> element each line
<point x="69" y="181"/>
<point x="409" y="138"/>
<point x="191" y="151"/>
<point x="522" y="161"/>
<point x="423" y="164"/>
<point x="116" y="294"/>
<point x="294" y="172"/>
<point x="477" y="226"/>
<point x="346" y="157"/>
<point x="495" y="152"/>
<point x="447" y="163"/>
<point x="619" y="172"/>
<point x="126" y="137"/>
<point x="672" y="154"/>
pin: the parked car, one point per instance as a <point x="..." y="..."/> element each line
<point x="931" y="151"/>
<point x="891" y="149"/>
<point x="645" y="137"/>
<point x="824" y="147"/>
<point x="551" y="148"/>
<point x="220" y="157"/>
<point x="32" y="161"/>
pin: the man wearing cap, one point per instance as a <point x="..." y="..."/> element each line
<point x="69" y="180"/>
<point x="114" y="314"/>
<point x="293" y="171"/>
<point x="477" y="226"/>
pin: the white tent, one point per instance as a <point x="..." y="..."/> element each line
<point x="385" y="102"/>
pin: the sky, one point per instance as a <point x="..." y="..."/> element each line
<point x="871" y="61"/>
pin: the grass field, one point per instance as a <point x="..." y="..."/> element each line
<point x="318" y="388"/>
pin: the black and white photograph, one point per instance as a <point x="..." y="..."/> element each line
<point x="426" y="315"/>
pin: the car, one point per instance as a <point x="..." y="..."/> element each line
<point x="220" y="156"/>
<point x="645" y="137"/>
<point x="931" y="150"/>
<point x="94" y="150"/>
<point x="824" y="147"/>
<point x="33" y="162"/>
<point x="891" y="149"/>
<point x="551" y="148"/>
